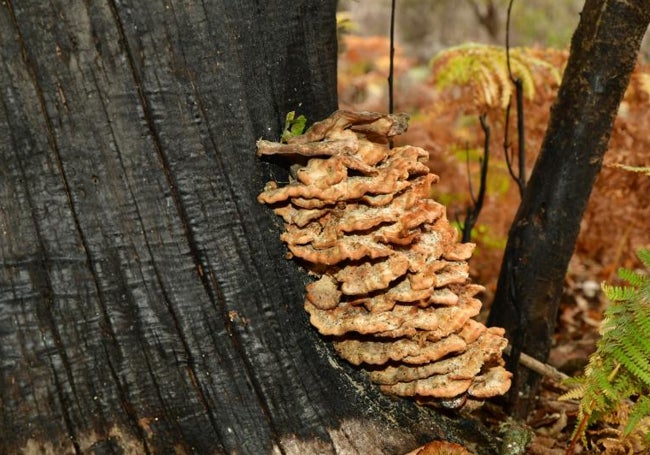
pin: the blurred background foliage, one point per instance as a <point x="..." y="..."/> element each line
<point x="424" y="27"/>
<point x="450" y="67"/>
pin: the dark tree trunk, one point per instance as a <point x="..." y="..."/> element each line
<point x="145" y="304"/>
<point x="541" y="241"/>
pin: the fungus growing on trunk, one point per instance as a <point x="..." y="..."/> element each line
<point x="393" y="289"/>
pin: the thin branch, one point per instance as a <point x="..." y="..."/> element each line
<point x="508" y="41"/>
<point x="392" y="57"/>
<point x="507" y="148"/>
<point x="488" y="19"/>
<point x="391" y="65"/>
<point x="520" y="177"/>
<point x="484" y="162"/>
<point x="521" y="135"/>
<point x="473" y="212"/>
<point x="469" y="175"/>
<point x="535" y="365"/>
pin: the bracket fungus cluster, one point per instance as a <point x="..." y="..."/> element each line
<point x="392" y="291"/>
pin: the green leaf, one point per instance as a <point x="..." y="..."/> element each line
<point x="640" y="410"/>
<point x="644" y="255"/>
<point x="293" y="126"/>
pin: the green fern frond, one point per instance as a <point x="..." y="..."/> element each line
<point x="640" y="410"/>
<point x="633" y="278"/>
<point x="618" y="293"/>
<point x="484" y="68"/>
<point x="576" y="390"/>
<point x="642" y="321"/>
<point x="633" y="359"/>
<point x="620" y="367"/>
<point x="644" y="256"/>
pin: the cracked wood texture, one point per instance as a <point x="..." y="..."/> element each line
<point x="145" y="303"/>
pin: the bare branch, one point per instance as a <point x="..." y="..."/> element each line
<point x="538" y="367"/>
<point x="520" y="177"/>
<point x="392" y="65"/>
<point x="473" y="212"/>
<point x="489" y="18"/>
<point x="469" y="175"/>
<point x="507" y="148"/>
<point x="392" y="58"/>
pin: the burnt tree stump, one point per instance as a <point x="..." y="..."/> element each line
<point x="145" y="303"/>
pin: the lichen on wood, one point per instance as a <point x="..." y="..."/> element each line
<point x="393" y="290"/>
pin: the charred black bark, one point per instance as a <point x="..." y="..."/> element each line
<point x="145" y="303"/>
<point x="542" y="238"/>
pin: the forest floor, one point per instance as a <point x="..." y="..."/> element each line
<point x="444" y="121"/>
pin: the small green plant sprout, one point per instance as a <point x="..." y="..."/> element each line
<point x="618" y="373"/>
<point x="293" y="126"/>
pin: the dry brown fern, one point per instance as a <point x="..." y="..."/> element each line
<point x="484" y="70"/>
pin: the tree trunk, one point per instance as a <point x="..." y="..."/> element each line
<point x="145" y="304"/>
<point x="543" y="235"/>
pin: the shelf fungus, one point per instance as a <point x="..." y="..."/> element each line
<point x="392" y="291"/>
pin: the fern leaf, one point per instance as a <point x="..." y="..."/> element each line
<point x="502" y="80"/>
<point x="620" y="367"/>
<point x="603" y="389"/>
<point x="640" y="410"/>
<point x="522" y="70"/>
<point x="618" y="293"/>
<point x="634" y="360"/>
<point x="576" y="389"/>
<point x="644" y="256"/>
<point x="642" y="321"/>
<point x="484" y="69"/>
<point x="633" y="278"/>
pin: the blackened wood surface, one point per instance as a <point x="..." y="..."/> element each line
<point x="604" y="49"/>
<point x="145" y="304"/>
